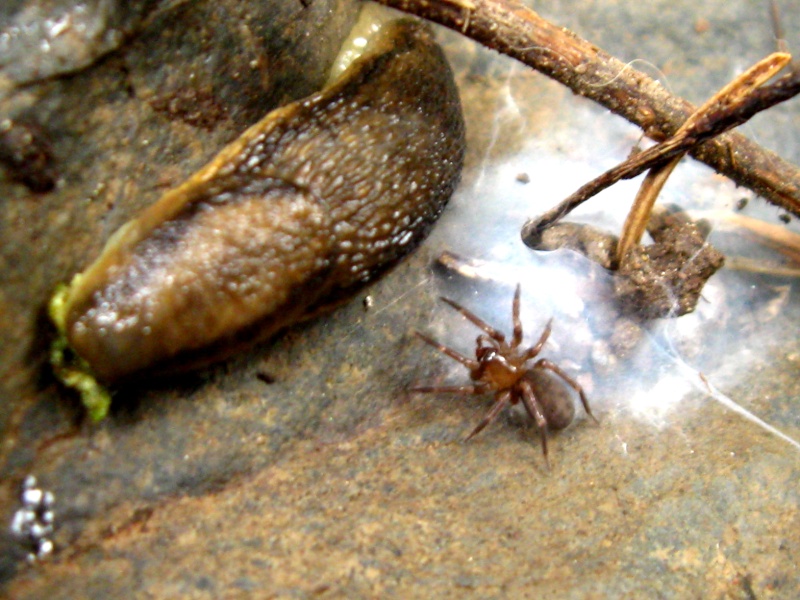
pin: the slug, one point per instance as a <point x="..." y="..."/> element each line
<point x="307" y="206"/>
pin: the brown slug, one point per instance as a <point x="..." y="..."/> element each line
<point x="308" y="205"/>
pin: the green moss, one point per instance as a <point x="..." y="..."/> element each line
<point x="70" y="369"/>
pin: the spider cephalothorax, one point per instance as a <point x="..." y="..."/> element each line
<point x="504" y="368"/>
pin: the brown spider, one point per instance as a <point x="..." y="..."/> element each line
<point x="502" y="368"/>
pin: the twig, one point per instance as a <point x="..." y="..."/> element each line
<point x="731" y="106"/>
<point x="515" y="30"/>
<point x="777" y="27"/>
<point x="728" y="99"/>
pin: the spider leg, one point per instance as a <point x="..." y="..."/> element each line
<point x="502" y="400"/>
<point x="517" y="339"/>
<point x="490" y="331"/>
<point x="467" y="362"/>
<point x="551" y="366"/>
<point x="535" y="411"/>
<point x="535" y="349"/>
<point x="450" y="389"/>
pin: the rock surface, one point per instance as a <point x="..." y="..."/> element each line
<point x="333" y="480"/>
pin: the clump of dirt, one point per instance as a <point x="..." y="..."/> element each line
<point x="662" y="279"/>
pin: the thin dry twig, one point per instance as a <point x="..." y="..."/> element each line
<point x="733" y="105"/>
<point x="729" y="98"/>
<point x="515" y="30"/>
<point x="777" y="237"/>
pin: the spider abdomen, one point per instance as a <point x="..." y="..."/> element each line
<point x="553" y="397"/>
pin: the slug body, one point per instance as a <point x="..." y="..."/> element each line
<point x="317" y="199"/>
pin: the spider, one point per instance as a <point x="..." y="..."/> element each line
<point x="502" y="367"/>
